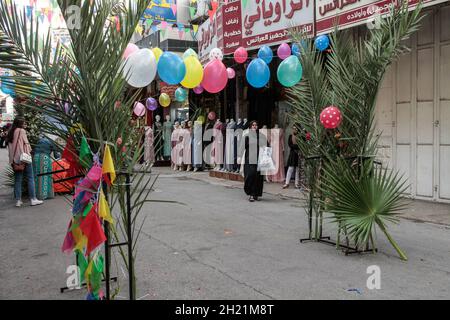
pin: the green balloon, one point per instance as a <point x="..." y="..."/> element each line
<point x="290" y="71"/>
<point x="189" y="52"/>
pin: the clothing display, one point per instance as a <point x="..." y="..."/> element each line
<point x="278" y="155"/>
<point x="197" y="146"/>
<point x="230" y="147"/>
<point x="158" y="139"/>
<point x="218" y="144"/>
<point x="149" y="148"/>
<point x="186" y="146"/>
<point x="177" y="148"/>
<point x="167" y="135"/>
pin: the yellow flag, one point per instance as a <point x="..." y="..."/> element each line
<point x="195" y="28"/>
<point x="80" y="239"/>
<point x="88" y="271"/>
<point x="108" y="166"/>
<point x="103" y="208"/>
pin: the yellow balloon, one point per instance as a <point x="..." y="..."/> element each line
<point x="164" y="100"/>
<point x="157" y="52"/>
<point x="201" y="119"/>
<point x="194" y="72"/>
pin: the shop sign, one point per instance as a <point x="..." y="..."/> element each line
<point x="350" y="13"/>
<point x="169" y="89"/>
<point x="161" y="11"/>
<point x="268" y="21"/>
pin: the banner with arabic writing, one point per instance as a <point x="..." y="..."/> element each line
<point x="268" y="21"/>
<point x="162" y="10"/>
<point x="349" y="13"/>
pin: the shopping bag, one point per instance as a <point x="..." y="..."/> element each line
<point x="265" y="162"/>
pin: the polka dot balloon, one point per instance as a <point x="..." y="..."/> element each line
<point x="216" y="54"/>
<point x="331" y="117"/>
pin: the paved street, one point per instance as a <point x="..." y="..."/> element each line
<point x="217" y="245"/>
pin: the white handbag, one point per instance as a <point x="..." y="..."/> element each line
<point x="25" y="157"/>
<point x="265" y="162"/>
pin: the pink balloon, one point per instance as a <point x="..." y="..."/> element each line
<point x="212" y="115"/>
<point x="139" y="109"/>
<point x="198" y="89"/>
<point x="215" y="76"/>
<point x="284" y="51"/>
<point x="331" y="117"/>
<point x="231" y="73"/>
<point x="131" y="47"/>
<point x="240" y="55"/>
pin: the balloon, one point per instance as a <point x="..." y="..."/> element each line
<point x="139" y="109"/>
<point x="295" y="49"/>
<point x="258" y="73"/>
<point x="8" y="88"/>
<point x="189" y="52"/>
<point x="266" y="54"/>
<point x="198" y="89"/>
<point x="157" y="52"/>
<point x="284" y="51"/>
<point x="201" y="119"/>
<point x="164" y="100"/>
<point x="212" y="115"/>
<point x="240" y="55"/>
<point x="151" y="104"/>
<point x="231" y="73"/>
<point x="322" y="42"/>
<point x="131" y="48"/>
<point x="181" y="94"/>
<point x="216" y="54"/>
<point x="290" y="71"/>
<point x="171" y="68"/>
<point x="331" y="117"/>
<point x="194" y="72"/>
<point x="140" y="68"/>
<point x="215" y="76"/>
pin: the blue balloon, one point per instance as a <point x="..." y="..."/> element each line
<point x="171" y="68"/>
<point x="181" y="94"/>
<point x="258" y="73"/>
<point x="266" y="54"/>
<point x="7" y="88"/>
<point x="295" y="49"/>
<point x="322" y="42"/>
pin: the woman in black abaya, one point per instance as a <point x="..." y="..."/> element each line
<point x="254" y="181"/>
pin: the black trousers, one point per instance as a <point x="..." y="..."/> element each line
<point x="254" y="181"/>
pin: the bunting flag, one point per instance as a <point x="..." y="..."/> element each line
<point x="163" y="24"/>
<point x="92" y="229"/>
<point x="80" y="239"/>
<point x="109" y="173"/>
<point x="192" y="11"/>
<point x="85" y="154"/>
<point x="87" y="209"/>
<point x="83" y="265"/>
<point x="103" y="208"/>
<point x="174" y="9"/>
<point x="195" y="28"/>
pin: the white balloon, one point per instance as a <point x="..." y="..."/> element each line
<point x="140" y="68"/>
<point x="216" y="54"/>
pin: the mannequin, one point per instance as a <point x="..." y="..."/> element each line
<point x="175" y="146"/>
<point x="186" y="146"/>
<point x="218" y="145"/>
<point x="240" y="130"/>
<point x="197" y="146"/>
<point x="158" y="138"/>
<point x="230" y="146"/>
<point x="149" y="149"/>
<point x="245" y="124"/>
<point x="167" y="134"/>
<point x="277" y="135"/>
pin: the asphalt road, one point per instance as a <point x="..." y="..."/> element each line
<point x="217" y="245"/>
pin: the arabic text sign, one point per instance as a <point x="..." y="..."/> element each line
<point x="267" y="21"/>
<point x="161" y="11"/>
<point x="232" y="26"/>
<point x="349" y="13"/>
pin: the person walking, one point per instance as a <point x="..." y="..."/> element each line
<point x="42" y="163"/>
<point x="253" y="179"/>
<point x="19" y="148"/>
<point x="293" y="159"/>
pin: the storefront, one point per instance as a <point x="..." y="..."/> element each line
<point x="413" y="111"/>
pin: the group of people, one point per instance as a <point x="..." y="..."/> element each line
<point x="34" y="165"/>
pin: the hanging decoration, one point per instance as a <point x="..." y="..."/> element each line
<point x="322" y="42"/>
<point x="290" y="71"/>
<point x="181" y="94"/>
<point x="266" y="54"/>
<point x="284" y="51"/>
<point x="198" y="89"/>
<point x="171" y="68"/>
<point x="331" y="117"/>
<point x="215" y="76"/>
<point x="189" y="52"/>
<point x="258" y="73"/>
<point x="157" y="52"/>
<point x="231" y="73"/>
<point x="139" y="109"/>
<point x="216" y="54"/>
<point x="164" y="100"/>
<point x="240" y="55"/>
<point x="194" y="72"/>
<point x="151" y="104"/>
<point x="140" y="68"/>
